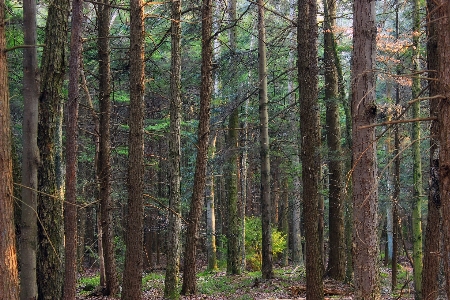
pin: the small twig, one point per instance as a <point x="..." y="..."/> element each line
<point x="398" y="122"/>
<point x="166" y="207"/>
<point x="403" y="287"/>
<point x="23" y="47"/>
<point x="425" y="98"/>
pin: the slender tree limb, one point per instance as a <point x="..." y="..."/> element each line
<point x="398" y="122"/>
<point x="24" y="46"/>
<point x="426" y="98"/>
<point x="167" y="208"/>
<point x="109" y="5"/>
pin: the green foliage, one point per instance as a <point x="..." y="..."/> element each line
<point x="121" y="96"/>
<point x="210" y="284"/>
<point x="88" y="284"/>
<point x="120" y="247"/>
<point x="253" y="242"/>
<point x="122" y="150"/>
<point x="155" y="280"/>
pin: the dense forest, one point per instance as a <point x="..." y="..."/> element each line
<point x="192" y="143"/>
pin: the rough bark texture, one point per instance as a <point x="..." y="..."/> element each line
<point x="336" y="257"/>
<point x="30" y="156"/>
<point x="443" y="36"/>
<point x="310" y="136"/>
<point x="103" y="168"/>
<point x="365" y="246"/>
<point x="395" y="204"/>
<point x="70" y="204"/>
<point x="231" y="187"/>
<point x="50" y="268"/>
<point x="173" y="254"/>
<point x="418" y="191"/>
<point x="231" y="172"/>
<point x="266" y="211"/>
<point x="431" y="259"/>
<point x="9" y="279"/>
<point x="134" y="238"/>
<point x="189" y="283"/>
<point x="296" y="242"/>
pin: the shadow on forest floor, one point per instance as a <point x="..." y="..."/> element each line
<point x="289" y="283"/>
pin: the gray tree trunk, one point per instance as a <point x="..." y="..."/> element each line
<point x="30" y="157"/>
<point x="267" y="256"/>
<point x="297" y="252"/>
<point x="173" y="255"/>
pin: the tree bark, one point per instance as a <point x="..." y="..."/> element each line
<point x="30" y="156"/>
<point x="132" y="283"/>
<point x="431" y="259"/>
<point x="231" y="186"/>
<point x="266" y="211"/>
<point x="364" y="179"/>
<point x="70" y="204"/>
<point x="50" y="267"/>
<point x="234" y="230"/>
<point x="104" y="149"/>
<point x="418" y="191"/>
<point x="211" y="213"/>
<point x="189" y="269"/>
<point x="310" y="136"/>
<point x="173" y="254"/>
<point x="444" y="130"/>
<point x="9" y="279"/>
<point x="336" y="260"/>
<point x="297" y="253"/>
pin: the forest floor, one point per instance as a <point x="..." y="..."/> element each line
<point x="289" y="283"/>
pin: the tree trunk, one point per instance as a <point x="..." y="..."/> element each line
<point x="231" y="186"/>
<point x="431" y="259"/>
<point x="174" y="229"/>
<point x="189" y="269"/>
<point x="9" y="279"/>
<point x="30" y="157"/>
<point x="336" y="260"/>
<point x="296" y="243"/>
<point x="104" y="148"/>
<point x="70" y="204"/>
<point x="444" y="130"/>
<point x="50" y="267"/>
<point x="310" y="136"/>
<point x="284" y="220"/>
<point x="231" y="172"/>
<point x="211" y="215"/>
<point x="132" y="283"/>
<point x="266" y="211"/>
<point x="364" y="179"/>
<point x="418" y="191"/>
<point x="395" y="203"/>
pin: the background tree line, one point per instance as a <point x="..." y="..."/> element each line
<point x="244" y="133"/>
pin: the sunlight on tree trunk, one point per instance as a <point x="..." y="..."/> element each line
<point x="9" y="278"/>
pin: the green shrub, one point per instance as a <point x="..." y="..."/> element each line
<point x="253" y="242"/>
